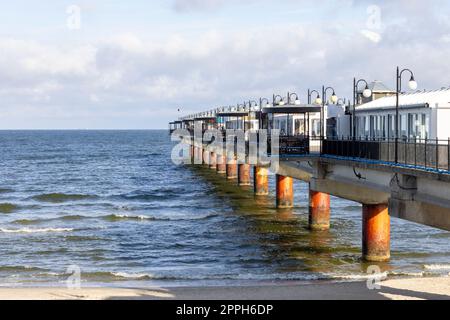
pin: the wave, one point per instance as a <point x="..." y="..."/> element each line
<point x="42" y="230"/>
<point x="20" y="269"/>
<point x="62" y="197"/>
<point x="120" y="217"/>
<point x="6" y="190"/>
<point x="8" y="207"/>
<point x="437" y="267"/>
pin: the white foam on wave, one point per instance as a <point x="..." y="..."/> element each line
<point x="131" y="275"/>
<point x="30" y="230"/>
<point x="126" y="216"/>
<point x="382" y="275"/>
<point x="437" y="267"/>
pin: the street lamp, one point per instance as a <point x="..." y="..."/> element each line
<point x="318" y="100"/>
<point x="296" y="100"/>
<point x="334" y="98"/>
<point x="278" y="100"/>
<point x="266" y="103"/>
<point x="367" y="93"/>
<point x="412" y="84"/>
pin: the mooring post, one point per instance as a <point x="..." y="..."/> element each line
<point x="319" y="210"/>
<point x="376" y="233"/>
<point x="285" y="191"/>
<point x="261" y="181"/>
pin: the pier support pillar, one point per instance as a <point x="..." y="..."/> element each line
<point x="285" y="191"/>
<point x="261" y="181"/>
<point x="319" y="210"/>
<point x="244" y="175"/>
<point x="205" y="157"/>
<point x="376" y="233"/>
<point x="231" y="169"/>
<point x="212" y="160"/>
<point x="221" y="164"/>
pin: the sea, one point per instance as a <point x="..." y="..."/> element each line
<point x="112" y="209"/>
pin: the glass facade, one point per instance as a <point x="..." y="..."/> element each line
<point x="382" y="126"/>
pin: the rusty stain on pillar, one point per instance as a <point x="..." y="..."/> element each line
<point x="285" y="191"/>
<point x="221" y="163"/>
<point x="261" y="181"/>
<point x="212" y="160"/>
<point x="244" y="178"/>
<point x="376" y="233"/>
<point x="231" y="168"/>
<point x="319" y="210"/>
<point x="205" y="157"/>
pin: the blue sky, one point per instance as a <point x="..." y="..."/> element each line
<point x="133" y="64"/>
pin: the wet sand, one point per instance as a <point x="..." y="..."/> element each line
<point x="398" y="289"/>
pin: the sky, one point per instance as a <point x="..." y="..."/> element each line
<point x="109" y="64"/>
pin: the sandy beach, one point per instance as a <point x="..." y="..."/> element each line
<point x="398" y="289"/>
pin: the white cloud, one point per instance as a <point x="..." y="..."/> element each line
<point x="130" y="75"/>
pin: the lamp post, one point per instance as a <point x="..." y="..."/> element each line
<point x="318" y="101"/>
<point x="367" y="93"/>
<point x="295" y="101"/>
<point x="261" y="101"/>
<point x="413" y="86"/>
<point x="333" y="99"/>
<point x="278" y="100"/>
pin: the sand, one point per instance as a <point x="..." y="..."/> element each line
<point x="398" y="289"/>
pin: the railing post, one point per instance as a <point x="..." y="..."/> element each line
<point x="437" y="153"/>
<point x="415" y="151"/>
<point x="448" y="154"/>
<point x="425" y="162"/>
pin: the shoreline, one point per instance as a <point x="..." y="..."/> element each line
<point x="437" y="288"/>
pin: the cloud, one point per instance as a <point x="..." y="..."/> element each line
<point x="198" y="5"/>
<point x="130" y="80"/>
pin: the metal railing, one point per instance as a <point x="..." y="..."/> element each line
<point x="420" y="153"/>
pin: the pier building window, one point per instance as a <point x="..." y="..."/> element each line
<point x="299" y="126"/>
<point x="316" y="128"/>
<point x="403" y="126"/>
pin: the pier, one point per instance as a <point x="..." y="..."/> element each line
<point x="390" y="177"/>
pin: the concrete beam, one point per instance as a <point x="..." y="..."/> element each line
<point x="421" y="212"/>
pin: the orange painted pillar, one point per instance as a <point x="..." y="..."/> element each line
<point x="261" y="181"/>
<point x="244" y="174"/>
<point x="376" y="230"/>
<point x="196" y="153"/>
<point x="205" y="157"/>
<point x="285" y="191"/>
<point x="221" y="164"/>
<point x="231" y="169"/>
<point x="212" y="160"/>
<point x="319" y="210"/>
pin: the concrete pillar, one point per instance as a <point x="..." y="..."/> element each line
<point x="244" y="175"/>
<point x="285" y="191"/>
<point x="231" y="169"/>
<point x="261" y="181"/>
<point x="221" y="164"/>
<point x="196" y="154"/>
<point x="205" y="156"/>
<point x="376" y="233"/>
<point x="319" y="210"/>
<point x="212" y="160"/>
